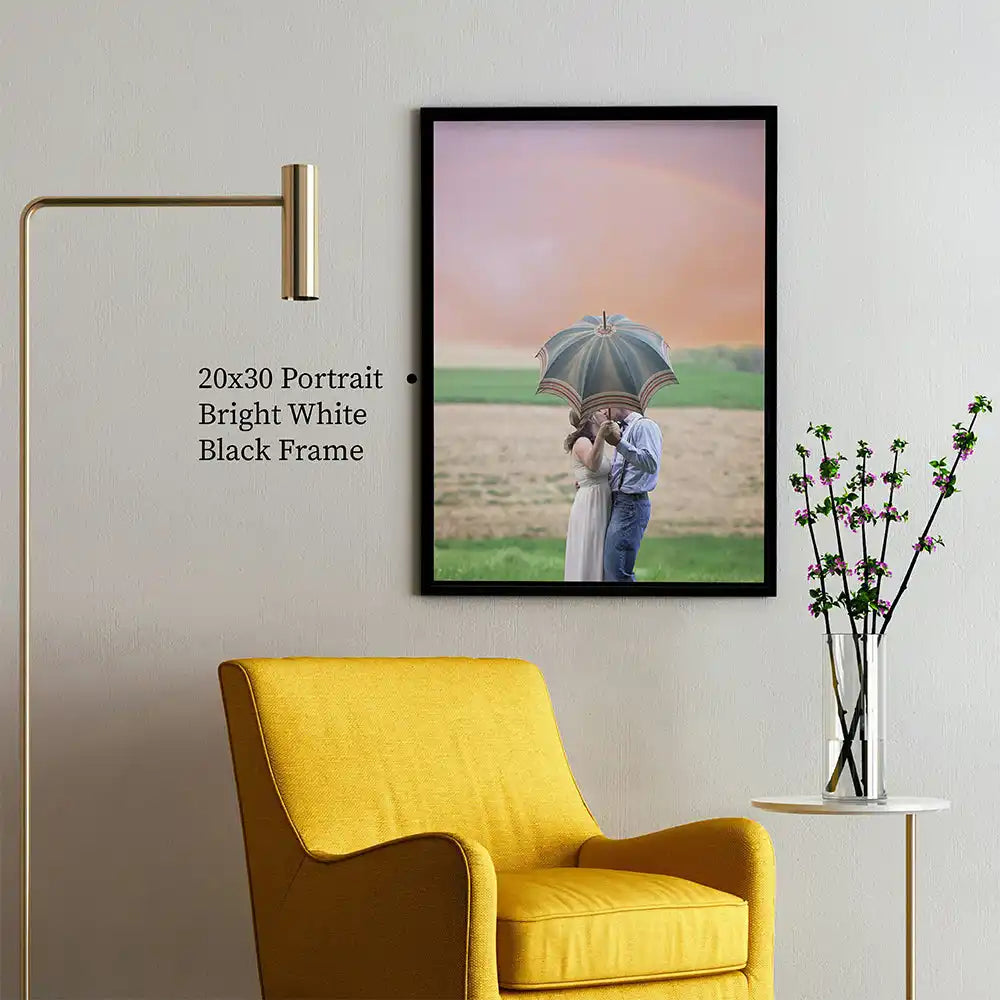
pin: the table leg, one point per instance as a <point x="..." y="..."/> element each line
<point x="910" y="953"/>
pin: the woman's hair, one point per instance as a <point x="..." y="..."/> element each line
<point x="583" y="427"/>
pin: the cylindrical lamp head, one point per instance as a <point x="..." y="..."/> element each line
<point x="299" y="225"/>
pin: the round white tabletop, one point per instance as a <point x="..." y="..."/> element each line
<point x="817" y="805"/>
<point x="893" y="806"/>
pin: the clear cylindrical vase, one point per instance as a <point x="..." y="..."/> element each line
<point x="854" y="717"/>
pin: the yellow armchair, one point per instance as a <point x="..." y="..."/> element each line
<point x="413" y="830"/>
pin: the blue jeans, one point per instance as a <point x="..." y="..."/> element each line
<point x="629" y="517"/>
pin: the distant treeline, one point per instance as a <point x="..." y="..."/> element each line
<point x="745" y="358"/>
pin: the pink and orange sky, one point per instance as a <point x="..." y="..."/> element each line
<point x="539" y="223"/>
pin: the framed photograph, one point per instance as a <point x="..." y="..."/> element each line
<point x="598" y="367"/>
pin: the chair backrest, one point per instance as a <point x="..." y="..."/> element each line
<point x="361" y="751"/>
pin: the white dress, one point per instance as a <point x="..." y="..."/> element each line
<point x="588" y="521"/>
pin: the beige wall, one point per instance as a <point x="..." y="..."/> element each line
<point x="150" y="568"/>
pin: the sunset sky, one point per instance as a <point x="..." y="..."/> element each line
<point x="537" y="224"/>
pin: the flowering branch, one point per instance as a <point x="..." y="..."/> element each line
<point x="963" y="442"/>
<point x="864" y="453"/>
<point x="829" y="470"/>
<point x="822" y="604"/>
<point x="893" y="480"/>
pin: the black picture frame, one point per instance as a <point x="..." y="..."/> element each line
<point x="428" y="584"/>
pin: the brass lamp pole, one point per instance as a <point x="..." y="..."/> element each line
<point x="299" y="246"/>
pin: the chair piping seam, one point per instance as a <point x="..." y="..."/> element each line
<point x="648" y="977"/>
<point x="741" y="904"/>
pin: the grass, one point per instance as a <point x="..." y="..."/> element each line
<point x="700" y="384"/>
<point x="686" y="558"/>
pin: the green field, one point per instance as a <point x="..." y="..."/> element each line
<point x="699" y="384"/>
<point x="685" y="558"/>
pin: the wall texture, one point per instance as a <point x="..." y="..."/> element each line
<point x="150" y="569"/>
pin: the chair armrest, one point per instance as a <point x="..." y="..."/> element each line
<point x="732" y="855"/>
<point x="413" y="918"/>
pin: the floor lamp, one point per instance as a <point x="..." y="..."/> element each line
<point x="297" y="202"/>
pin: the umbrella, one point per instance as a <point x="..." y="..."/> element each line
<point x="605" y="361"/>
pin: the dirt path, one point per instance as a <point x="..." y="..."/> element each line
<point x="501" y="471"/>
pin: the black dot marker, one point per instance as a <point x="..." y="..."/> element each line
<point x="411" y="378"/>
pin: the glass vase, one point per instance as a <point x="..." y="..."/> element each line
<point x="854" y="717"/>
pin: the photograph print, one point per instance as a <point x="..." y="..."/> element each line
<point x="598" y="297"/>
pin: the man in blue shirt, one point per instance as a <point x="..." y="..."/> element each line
<point x="638" y="444"/>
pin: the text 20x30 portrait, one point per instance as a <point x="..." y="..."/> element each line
<point x="289" y="378"/>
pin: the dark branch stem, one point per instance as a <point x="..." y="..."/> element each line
<point x="843" y="562"/>
<point x="924" y="534"/>
<point x="885" y="534"/>
<point x="864" y="535"/>
<point x="854" y="633"/>
<point x="864" y="639"/>
<point x="841" y="711"/>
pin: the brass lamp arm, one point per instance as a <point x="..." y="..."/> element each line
<point x="152" y="201"/>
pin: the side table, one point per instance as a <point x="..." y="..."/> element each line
<point x="816" y="805"/>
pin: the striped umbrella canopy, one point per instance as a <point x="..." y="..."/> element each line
<point x="604" y="361"/>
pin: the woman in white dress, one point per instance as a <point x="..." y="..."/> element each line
<point x="588" y="517"/>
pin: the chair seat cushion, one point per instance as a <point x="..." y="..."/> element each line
<point x="587" y="926"/>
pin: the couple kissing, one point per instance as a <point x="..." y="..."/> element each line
<point x="611" y="508"/>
